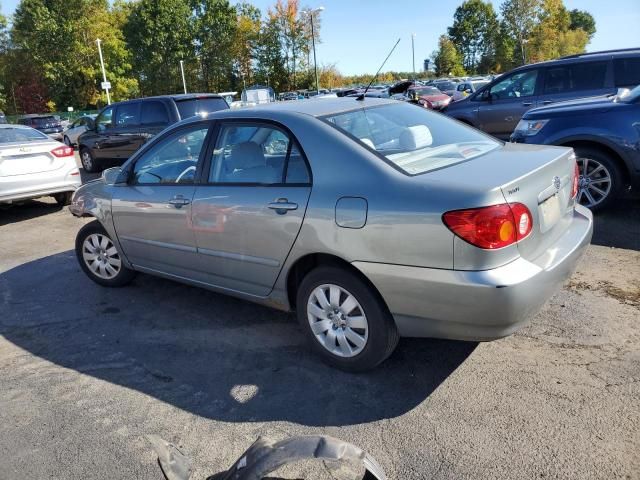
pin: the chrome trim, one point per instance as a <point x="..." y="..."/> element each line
<point x="155" y="243"/>
<point x="269" y="262"/>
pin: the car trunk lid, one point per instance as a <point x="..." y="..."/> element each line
<point x="540" y="177"/>
<point x="23" y="159"/>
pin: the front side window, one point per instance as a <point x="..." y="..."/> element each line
<point x="256" y="154"/>
<point x="128" y="114"/>
<point x="173" y="160"/>
<point x="104" y="119"/>
<point x="575" y="77"/>
<point x="411" y="138"/>
<point x="518" y="85"/>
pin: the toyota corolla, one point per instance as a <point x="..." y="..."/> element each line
<point x="372" y="219"/>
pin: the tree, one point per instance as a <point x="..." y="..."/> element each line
<point x="159" y="34"/>
<point x="519" y="18"/>
<point x="271" y="66"/>
<point x="552" y="37"/>
<point x="583" y="20"/>
<point x="247" y="33"/>
<point x="446" y="59"/>
<point x="473" y="33"/>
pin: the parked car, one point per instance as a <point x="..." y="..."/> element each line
<point x="447" y="87"/>
<point x="47" y="124"/>
<point x="121" y="128"/>
<point x="499" y="106"/>
<point x="77" y="128"/>
<point x="373" y="219"/>
<point x="465" y="89"/>
<point x="604" y="133"/>
<point x="33" y="165"/>
<point x="428" y="97"/>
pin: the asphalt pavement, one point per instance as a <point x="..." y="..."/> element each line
<point x="86" y="372"/>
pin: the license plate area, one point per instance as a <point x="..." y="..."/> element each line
<point x="549" y="212"/>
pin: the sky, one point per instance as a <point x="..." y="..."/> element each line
<point x="357" y="35"/>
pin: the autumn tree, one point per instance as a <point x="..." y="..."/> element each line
<point x="519" y="18"/>
<point x="245" y="44"/>
<point x="583" y="20"/>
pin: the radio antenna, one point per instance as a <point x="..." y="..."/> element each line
<point x="362" y="95"/>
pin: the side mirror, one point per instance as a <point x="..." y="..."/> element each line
<point x="114" y="176"/>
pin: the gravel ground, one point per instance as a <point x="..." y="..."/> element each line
<point x="86" y="372"/>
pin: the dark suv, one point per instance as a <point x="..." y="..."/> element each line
<point x="47" y="124"/>
<point x="498" y="107"/>
<point x="121" y="128"/>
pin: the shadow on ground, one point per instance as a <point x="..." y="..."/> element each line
<point x="208" y="354"/>
<point x="619" y="226"/>
<point x="27" y="210"/>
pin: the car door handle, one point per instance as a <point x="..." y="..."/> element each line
<point x="282" y="206"/>
<point x="526" y="104"/>
<point x="179" y="201"/>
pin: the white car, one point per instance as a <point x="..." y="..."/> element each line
<point x="78" y="127"/>
<point x="33" y="165"/>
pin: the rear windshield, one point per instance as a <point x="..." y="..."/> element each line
<point x="200" y="106"/>
<point x="446" y="86"/>
<point x="20" y="135"/>
<point x="40" y="121"/>
<point x="426" y="91"/>
<point x="412" y="138"/>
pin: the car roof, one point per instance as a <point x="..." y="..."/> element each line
<point x="317" y="107"/>
<point x="583" y="57"/>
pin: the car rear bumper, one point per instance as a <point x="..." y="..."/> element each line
<point x="23" y="187"/>
<point x="477" y="305"/>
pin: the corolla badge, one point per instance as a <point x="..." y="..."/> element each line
<point x="24" y="149"/>
<point x="557" y="183"/>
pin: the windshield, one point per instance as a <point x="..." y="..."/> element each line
<point x="20" y="135"/>
<point x="630" y="96"/>
<point x="446" y="86"/>
<point x="427" y="91"/>
<point x="200" y="106"/>
<point x="412" y="138"/>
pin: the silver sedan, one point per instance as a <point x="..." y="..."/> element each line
<point x="33" y="165"/>
<point x="372" y="219"/>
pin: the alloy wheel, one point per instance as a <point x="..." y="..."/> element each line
<point x="594" y="184"/>
<point x="87" y="161"/>
<point x="101" y="256"/>
<point x="337" y="320"/>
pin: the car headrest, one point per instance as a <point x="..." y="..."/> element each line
<point x="415" y="137"/>
<point x="247" y="155"/>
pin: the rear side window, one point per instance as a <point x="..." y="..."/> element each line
<point x="200" y="106"/>
<point x="128" y="114"/>
<point x="154" y="113"/>
<point x="575" y="77"/>
<point x="627" y="72"/>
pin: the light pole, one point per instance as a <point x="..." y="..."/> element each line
<point x="184" y="82"/>
<point x="313" y="41"/>
<point x="105" y="84"/>
<point x="524" y="54"/>
<point x="413" y="53"/>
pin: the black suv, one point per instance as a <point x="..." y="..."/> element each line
<point x="121" y="128"/>
<point x="498" y="107"/>
<point x="47" y="124"/>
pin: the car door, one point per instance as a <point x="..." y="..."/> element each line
<point x="154" y="117"/>
<point x="248" y="214"/>
<point x="574" y="80"/>
<point x="507" y="101"/>
<point x="99" y="138"/>
<point x="125" y="136"/>
<point x="152" y="213"/>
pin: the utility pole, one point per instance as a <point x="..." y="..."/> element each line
<point x="413" y="53"/>
<point x="313" y="42"/>
<point x="184" y="83"/>
<point x="105" y="85"/>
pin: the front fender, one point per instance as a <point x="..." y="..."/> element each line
<point x="93" y="199"/>
<point x="594" y="136"/>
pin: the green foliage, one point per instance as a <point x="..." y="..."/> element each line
<point x="474" y="29"/>
<point x="446" y="59"/>
<point x="583" y="20"/>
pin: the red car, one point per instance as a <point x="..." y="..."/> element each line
<point x="428" y="97"/>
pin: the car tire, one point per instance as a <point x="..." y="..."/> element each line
<point x="602" y="170"/>
<point x="66" y="141"/>
<point x="354" y="337"/>
<point x="63" y="198"/>
<point x="107" y="268"/>
<point x="88" y="161"/>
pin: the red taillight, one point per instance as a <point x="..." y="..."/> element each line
<point x="491" y="227"/>
<point x="62" y="151"/>
<point x="576" y="180"/>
